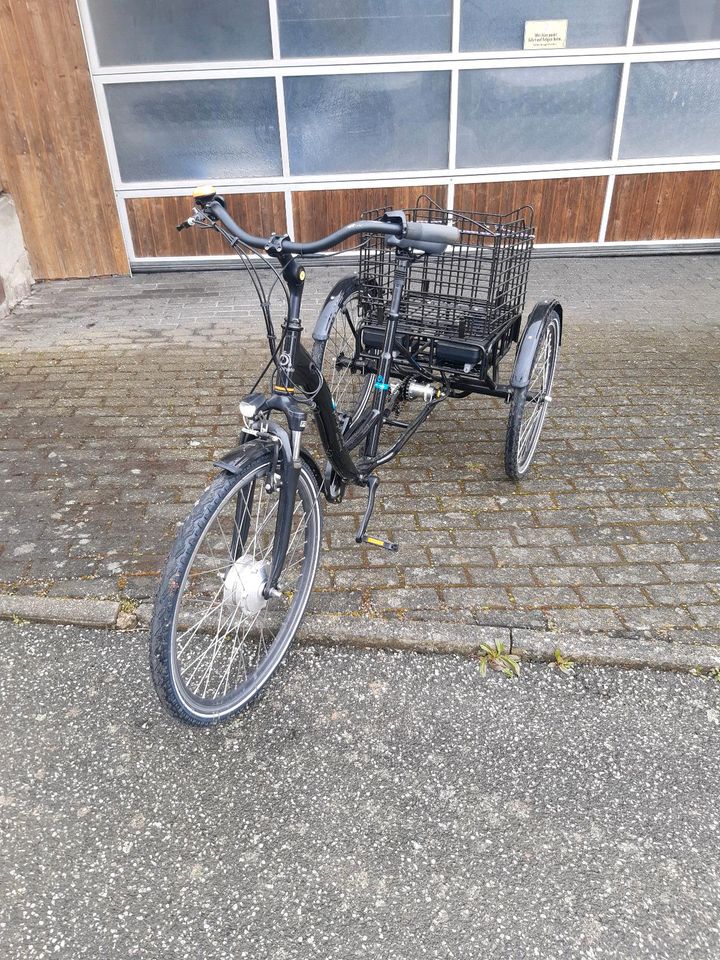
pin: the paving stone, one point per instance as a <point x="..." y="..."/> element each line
<point x="614" y="596"/>
<point x="651" y="552"/>
<point x="632" y="573"/>
<point x="546" y="597"/>
<point x="677" y="594"/>
<point x="571" y="576"/>
<point x="692" y="572"/>
<point x="589" y="555"/>
<point x="473" y="598"/>
<point x="707" y="616"/>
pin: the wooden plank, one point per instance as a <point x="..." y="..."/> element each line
<point x="680" y="205"/>
<point x="567" y="210"/>
<point x="319" y="212"/>
<point x="51" y="150"/>
<point x="153" y="221"/>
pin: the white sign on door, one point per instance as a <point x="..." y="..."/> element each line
<point x="545" y="34"/>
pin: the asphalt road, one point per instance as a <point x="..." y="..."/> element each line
<point x="372" y="805"/>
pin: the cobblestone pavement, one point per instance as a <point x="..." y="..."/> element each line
<point x="116" y="395"/>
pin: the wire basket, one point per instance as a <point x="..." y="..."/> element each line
<point x="474" y="291"/>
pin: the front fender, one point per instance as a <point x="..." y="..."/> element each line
<point x="533" y="330"/>
<point x="234" y="460"/>
<point x="246" y="452"/>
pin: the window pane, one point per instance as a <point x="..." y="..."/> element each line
<point x="333" y="28"/>
<point x="677" y="21"/>
<point x="173" y="31"/>
<point x="195" y="129"/>
<point x="528" y="115"/>
<point x="672" y="109"/>
<point x="496" y="25"/>
<point x="366" y="122"/>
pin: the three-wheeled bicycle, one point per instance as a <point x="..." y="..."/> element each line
<point x="436" y="305"/>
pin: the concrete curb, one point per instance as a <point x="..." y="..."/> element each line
<point x="81" y="613"/>
<point x="600" y="649"/>
<point x="463" y="639"/>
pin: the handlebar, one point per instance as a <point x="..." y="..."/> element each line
<point x="432" y="232"/>
<point x="394" y="225"/>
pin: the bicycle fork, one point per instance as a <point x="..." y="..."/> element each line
<point x="286" y="463"/>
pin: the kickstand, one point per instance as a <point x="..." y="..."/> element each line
<point x="361" y="536"/>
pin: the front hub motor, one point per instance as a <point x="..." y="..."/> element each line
<point x="244" y="585"/>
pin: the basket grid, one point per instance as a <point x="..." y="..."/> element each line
<point x="472" y="292"/>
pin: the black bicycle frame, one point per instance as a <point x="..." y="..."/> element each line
<point x="296" y="369"/>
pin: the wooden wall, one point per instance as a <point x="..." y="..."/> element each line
<point x="153" y="222"/>
<point x="566" y="211"/>
<point x="665" y="206"/>
<point x="319" y="212"/>
<point x="654" y="206"/>
<point x="52" y="158"/>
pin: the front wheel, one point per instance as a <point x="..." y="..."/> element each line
<point x="215" y="639"/>
<point x="528" y="405"/>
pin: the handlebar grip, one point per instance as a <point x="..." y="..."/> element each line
<point x="433" y="232"/>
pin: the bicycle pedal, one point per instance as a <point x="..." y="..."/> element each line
<point x="379" y="542"/>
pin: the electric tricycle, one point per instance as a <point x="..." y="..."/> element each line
<point x="436" y="305"/>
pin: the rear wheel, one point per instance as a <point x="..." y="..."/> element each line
<point x="528" y="406"/>
<point x="350" y="389"/>
<point x="215" y="640"/>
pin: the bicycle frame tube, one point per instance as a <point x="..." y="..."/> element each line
<point x="294" y="274"/>
<point x="382" y="382"/>
<point x="295" y="367"/>
<point x="307" y="376"/>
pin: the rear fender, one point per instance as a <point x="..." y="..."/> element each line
<point x="342" y="289"/>
<point x="533" y="331"/>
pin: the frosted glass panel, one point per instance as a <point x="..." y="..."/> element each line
<point x="172" y="31"/>
<point x="536" y="115"/>
<point x="333" y="28"/>
<point x="366" y="122"/>
<point x="195" y="129"/>
<point x="677" y="21"/>
<point x="500" y="24"/>
<point x="672" y="109"/>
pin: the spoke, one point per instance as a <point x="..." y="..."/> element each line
<point x="227" y="542"/>
<point x="232" y="655"/>
<point x="201" y="620"/>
